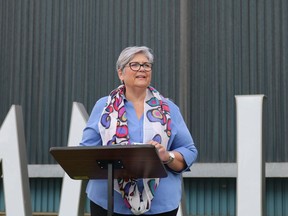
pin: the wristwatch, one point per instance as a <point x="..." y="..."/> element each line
<point x="171" y="158"/>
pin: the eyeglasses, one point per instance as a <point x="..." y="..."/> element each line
<point x="135" y="66"/>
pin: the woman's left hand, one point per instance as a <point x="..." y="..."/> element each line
<point x="163" y="153"/>
<point x="178" y="163"/>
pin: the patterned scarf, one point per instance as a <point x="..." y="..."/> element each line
<point x="114" y="130"/>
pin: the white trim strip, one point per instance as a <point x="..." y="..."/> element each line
<point x="198" y="170"/>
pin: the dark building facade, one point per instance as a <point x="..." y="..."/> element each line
<point x="55" y="52"/>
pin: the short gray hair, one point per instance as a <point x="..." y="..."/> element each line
<point x="128" y="53"/>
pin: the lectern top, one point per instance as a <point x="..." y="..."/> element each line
<point x="129" y="161"/>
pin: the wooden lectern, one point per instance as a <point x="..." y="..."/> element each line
<point x="110" y="162"/>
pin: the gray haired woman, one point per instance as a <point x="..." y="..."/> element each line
<point x="136" y="112"/>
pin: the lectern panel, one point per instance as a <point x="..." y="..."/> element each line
<point x="129" y="161"/>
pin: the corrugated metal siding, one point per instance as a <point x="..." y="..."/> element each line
<point x="60" y="51"/>
<point x="57" y="52"/>
<point x="277" y="197"/>
<point x="2" y="202"/>
<point x="237" y="47"/>
<point x="215" y="197"/>
<point x="45" y="195"/>
<point x="203" y="197"/>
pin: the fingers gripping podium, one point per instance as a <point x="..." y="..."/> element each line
<point x="110" y="162"/>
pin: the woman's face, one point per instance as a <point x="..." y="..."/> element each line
<point x="134" y="78"/>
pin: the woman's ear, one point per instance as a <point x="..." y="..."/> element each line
<point x="120" y="75"/>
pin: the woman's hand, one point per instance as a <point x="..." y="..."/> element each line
<point x="163" y="153"/>
<point x="178" y="164"/>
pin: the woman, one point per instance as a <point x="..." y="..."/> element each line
<point x="135" y="112"/>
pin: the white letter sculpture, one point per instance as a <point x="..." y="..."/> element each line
<point x="250" y="156"/>
<point x="14" y="164"/>
<point x="72" y="195"/>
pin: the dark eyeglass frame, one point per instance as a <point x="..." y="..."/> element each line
<point x="144" y="65"/>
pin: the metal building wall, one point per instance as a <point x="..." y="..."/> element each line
<point x="217" y="197"/>
<point x="237" y="47"/>
<point x="55" y="52"/>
